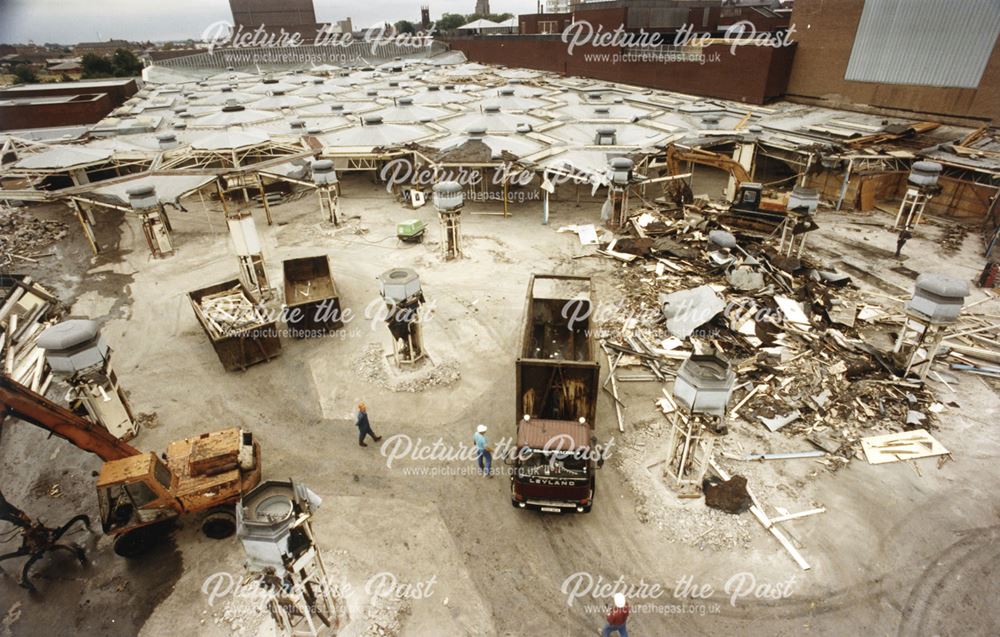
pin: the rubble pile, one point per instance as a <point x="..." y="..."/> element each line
<point x="26" y="310"/>
<point x="22" y="236"/>
<point x="229" y="312"/>
<point x="246" y="616"/>
<point x="374" y="368"/>
<point x="385" y="615"/>
<point x="683" y="521"/>
<point x="813" y="356"/>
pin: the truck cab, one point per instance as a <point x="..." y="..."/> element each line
<point x="553" y="466"/>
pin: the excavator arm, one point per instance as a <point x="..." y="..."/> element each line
<point x="676" y="155"/>
<point x="18" y="401"/>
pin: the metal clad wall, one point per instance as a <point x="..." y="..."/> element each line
<point x="924" y="42"/>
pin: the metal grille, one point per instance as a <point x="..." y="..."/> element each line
<point x="924" y="42"/>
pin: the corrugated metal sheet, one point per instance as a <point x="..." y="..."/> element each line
<point x="924" y="42"/>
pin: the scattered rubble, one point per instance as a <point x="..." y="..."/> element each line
<point x="685" y="521"/>
<point x="817" y="371"/>
<point x="247" y="616"/>
<point x="373" y="366"/>
<point x="26" y="310"/>
<point x="23" y="236"/>
<point x="385" y="615"/>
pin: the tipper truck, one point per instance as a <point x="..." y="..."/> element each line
<point x="554" y="461"/>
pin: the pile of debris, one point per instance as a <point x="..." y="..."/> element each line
<point x="27" y="310"/>
<point x="230" y="311"/>
<point x="385" y="615"/>
<point x="816" y="360"/>
<point x="22" y="236"/>
<point x="639" y="459"/>
<point x="373" y="366"/>
<point x="813" y="355"/>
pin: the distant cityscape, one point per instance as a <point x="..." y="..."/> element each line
<point x="27" y="62"/>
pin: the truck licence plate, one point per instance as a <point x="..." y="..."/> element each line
<point x="551" y="509"/>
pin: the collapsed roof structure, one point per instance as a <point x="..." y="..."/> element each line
<point x="205" y="123"/>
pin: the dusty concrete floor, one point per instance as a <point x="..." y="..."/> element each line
<point x="895" y="553"/>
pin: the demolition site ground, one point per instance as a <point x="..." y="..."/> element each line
<point x="904" y="548"/>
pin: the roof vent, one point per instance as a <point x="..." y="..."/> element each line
<point x="476" y="132"/>
<point x="233" y="107"/>
<point x="313" y="130"/>
<point x="372" y="120"/>
<point x="277" y="93"/>
<point x="594" y="95"/>
<point x="621" y="170"/>
<point x="491" y="108"/>
<point x="432" y="89"/>
<point x="142" y="197"/>
<point x="269" y="80"/>
<point x="606" y="136"/>
<point x="602" y="110"/>
<point x="524" y="128"/>
<point x="337" y="108"/>
<point x="167" y="140"/>
<point x="323" y="172"/>
<point x="227" y="89"/>
<point x="405" y="101"/>
<point x="448" y="195"/>
<point x="704" y="384"/>
<point x="74" y="345"/>
<point x="803" y="199"/>
<point x="393" y="84"/>
<point x="180" y="125"/>
<point x="506" y="91"/>
<point x="924" y="173"/>
<point x="296" y="123"/>
<point x="372" y="93"/>
<point x="938" y="297"/>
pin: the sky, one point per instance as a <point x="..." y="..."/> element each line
<point x="71" y="21"/>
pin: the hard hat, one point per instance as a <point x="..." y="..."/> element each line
<point x="481" y="429"/>
<point x="619" y="600"/>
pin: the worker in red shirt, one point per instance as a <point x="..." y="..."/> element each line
<point x="617" y="617"/>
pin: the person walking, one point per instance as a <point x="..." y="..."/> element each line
<point x="617" y="618"/>
<point x="904" y="236"/>
<point x="364" y="427"/>
<point x="484" y="455"/>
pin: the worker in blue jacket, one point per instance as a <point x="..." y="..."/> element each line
<point x="364" y="427"/>
<point x="484" y="454"/>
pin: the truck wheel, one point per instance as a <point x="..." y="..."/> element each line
<point x="138" y="541"/>
<point x="219" y="524"/>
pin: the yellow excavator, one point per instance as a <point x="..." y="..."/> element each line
<point x="140" y="493"/>
<point x="749" y="207"/>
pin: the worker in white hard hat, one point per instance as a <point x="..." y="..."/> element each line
<point x="484" y="454"/>
<point x="617" y="618"/>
